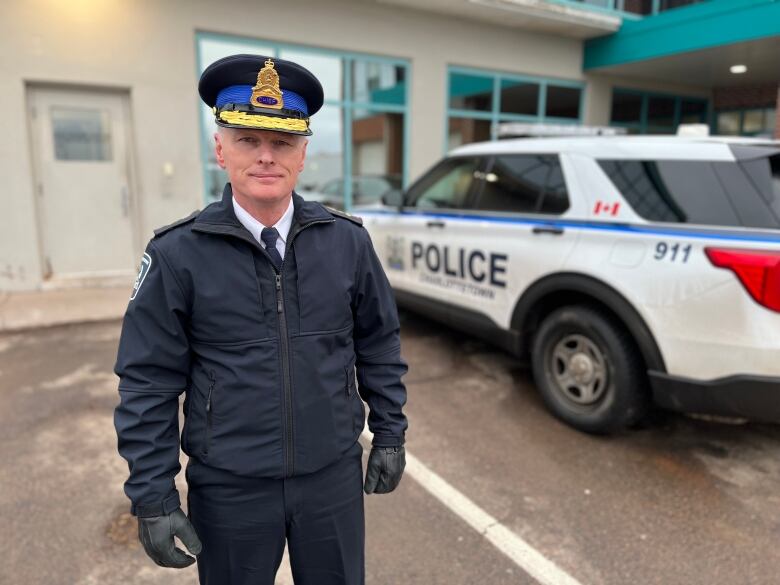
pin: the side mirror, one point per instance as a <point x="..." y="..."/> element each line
<point x="393" y="198"/>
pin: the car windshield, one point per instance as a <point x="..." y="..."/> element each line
<point x="741" y="193"/>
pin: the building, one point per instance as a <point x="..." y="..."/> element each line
<point x="105" y="137"/>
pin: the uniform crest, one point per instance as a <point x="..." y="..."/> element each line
<point x="266" y="92"/>
<point x="146" y="263"/>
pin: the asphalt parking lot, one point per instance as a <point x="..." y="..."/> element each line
<point x="681" y="500"/>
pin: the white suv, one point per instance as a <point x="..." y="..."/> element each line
<point x="628" y="269"/>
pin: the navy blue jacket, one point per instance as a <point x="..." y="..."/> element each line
<point x="267" y="359"/>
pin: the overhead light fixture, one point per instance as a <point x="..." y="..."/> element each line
<point x="738" y="69"/>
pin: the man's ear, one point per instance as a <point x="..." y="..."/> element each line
<point x="303" y="153"/>
<point x="218" y="149"/>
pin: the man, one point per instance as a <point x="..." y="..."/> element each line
<point x="273" y="314"/>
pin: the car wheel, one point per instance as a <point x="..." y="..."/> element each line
<point x="588" y="370"/>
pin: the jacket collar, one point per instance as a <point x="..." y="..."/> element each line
<point x="221" y="213"/>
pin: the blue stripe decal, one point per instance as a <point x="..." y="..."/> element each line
<point x="704" y="233"/>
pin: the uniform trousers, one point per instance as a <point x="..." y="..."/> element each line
<point x="243" y="523"/>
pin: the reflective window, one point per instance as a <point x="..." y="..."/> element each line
<point x="378" y="83"/>
<point x="329" y="70"/>
<point x="758" y="122"/>
<point x="448" y="185"/>
<point x="563" y="102"/>
<point x="524" y="184"/>
<point x="645" y="113"/>
<point x="81" y="134"/>
<point x="718" y="193"/>
<point x="325" y="153"/>
<point x="474" y="115"/>
<point x="519" y="97"/>
<point x="467" y="130"/>
<point x="471" y="92"/>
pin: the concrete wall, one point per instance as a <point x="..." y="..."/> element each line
<point x="147" y="48"/>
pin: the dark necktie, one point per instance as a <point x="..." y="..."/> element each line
<point x="269" y="235"/>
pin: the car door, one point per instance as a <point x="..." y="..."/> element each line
<point x="412" y="241"/>
<point x="513" y="236"/>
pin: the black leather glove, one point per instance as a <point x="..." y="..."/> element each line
<point x="156" y="534"/>
<point x="385" y="468"/>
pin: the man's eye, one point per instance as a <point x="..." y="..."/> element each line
<point x="281" y="143"/>
<point x="246" y="139"/>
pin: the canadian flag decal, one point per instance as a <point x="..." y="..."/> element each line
<point x="606" y="208"/>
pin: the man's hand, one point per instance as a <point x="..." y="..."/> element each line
<point x="385" y="468"/>
<point x="156" y="534"/>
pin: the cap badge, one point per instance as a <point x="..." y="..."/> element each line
<point x="266" y="92"/>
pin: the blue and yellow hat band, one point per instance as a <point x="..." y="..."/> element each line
<point x="241" y="94"/>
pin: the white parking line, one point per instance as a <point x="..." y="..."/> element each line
<point x="523" y="554"/>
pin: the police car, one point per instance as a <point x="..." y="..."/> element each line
<point x="627" y="270"/>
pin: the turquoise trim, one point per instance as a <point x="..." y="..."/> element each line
<point x="688" y="28"/>
<point x="395" y="100"/>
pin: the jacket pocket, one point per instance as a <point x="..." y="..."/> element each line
<point x="209" y="411"/>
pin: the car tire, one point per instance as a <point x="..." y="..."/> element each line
<point x="589" y="371"/>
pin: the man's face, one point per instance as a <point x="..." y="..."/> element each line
<point x="262" y="165"/>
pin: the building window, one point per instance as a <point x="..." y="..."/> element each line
<point x="651" y="113"/>
<point x="478" y="101"/>
<point x="758" y="122"/>
<point x="359" y="135"/>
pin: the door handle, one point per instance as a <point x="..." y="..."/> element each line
<point x="435" y="223"/>
<point x="548" y="229"/>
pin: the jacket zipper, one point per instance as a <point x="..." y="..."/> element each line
<point x="213" y="381"/>
<point x="289" y="459"/>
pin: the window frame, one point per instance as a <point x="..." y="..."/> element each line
<point x="642" y="126"/>
<point x="495" y="115"/>
<point x="481" y="166"/>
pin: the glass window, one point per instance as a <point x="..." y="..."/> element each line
<point x="324" y="154"/>
<point x="378" y="83"/>
<point x="448" y="185"/>
<point x="81" y="134"/>
<point x="326" y="68"/>
<point x="660" y="112"/>
<point x="471" y="92"/>
<point x="519" y="97"/>
<point x="702" y="192"/>
<point x="728" y="123"/>
<point x="626" y="107"/>
<point x="212" y="50"/>
<point x="524" y="184"/>
<point x="377" y="154"/>
<point x="467" y="130"/>
<point x="693" y="111"/>
<point x="563" y="102"/>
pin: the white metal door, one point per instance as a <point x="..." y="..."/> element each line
<point x="83" y="188"/>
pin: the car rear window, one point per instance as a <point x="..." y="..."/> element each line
<point x="743" y="193"/>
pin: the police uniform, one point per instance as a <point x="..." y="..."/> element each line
<point x="275" y="360"/>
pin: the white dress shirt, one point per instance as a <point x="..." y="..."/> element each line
<point x="255" y="227"/>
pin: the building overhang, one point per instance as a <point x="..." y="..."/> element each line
<point x="695" y="45"/>
<point x="540" y="16"/>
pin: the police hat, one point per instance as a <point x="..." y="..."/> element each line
<point x="252" y="91"/>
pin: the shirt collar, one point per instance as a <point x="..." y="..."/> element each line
<point x="255" y="227"/>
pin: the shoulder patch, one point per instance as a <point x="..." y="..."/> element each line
<point x="161" y="230"/>
<point x="338" y="213"/>
<point x="146" y="264"/>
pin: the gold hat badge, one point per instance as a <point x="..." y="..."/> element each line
<point x="266" y="92"/>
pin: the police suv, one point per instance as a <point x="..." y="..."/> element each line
<point x="629" y="270"/>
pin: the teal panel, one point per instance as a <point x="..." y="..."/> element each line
<point x="690" y="28"/>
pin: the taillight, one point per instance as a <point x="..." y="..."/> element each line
<point x="757" y="270"/>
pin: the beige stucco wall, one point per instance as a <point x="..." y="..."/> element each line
<point x="147" y="48"/>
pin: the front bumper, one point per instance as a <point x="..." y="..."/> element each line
<point x="753" y="397"/>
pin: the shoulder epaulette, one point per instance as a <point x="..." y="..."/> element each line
<point x="338" y="213"/>
<point x="161" y="230"/>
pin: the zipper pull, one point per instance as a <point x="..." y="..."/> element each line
<point x="279" y="305"/>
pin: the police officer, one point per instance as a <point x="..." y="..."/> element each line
<point x="274" y="316"/>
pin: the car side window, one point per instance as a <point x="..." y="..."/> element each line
<point x="333" y="187"/>
<point x="448" y="185"/>
<point x="524" y="183"/>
